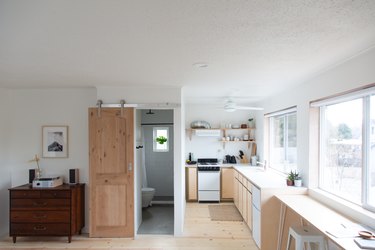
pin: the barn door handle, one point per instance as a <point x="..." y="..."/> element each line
<point x="130" y="166"/>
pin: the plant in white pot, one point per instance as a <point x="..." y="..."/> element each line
<point x="297" y="180"/>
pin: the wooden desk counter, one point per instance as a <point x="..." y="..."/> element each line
<point x="317" y="215"/>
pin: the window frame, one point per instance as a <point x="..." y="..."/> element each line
<point x="155" y="143"/>
<point x="284" y="114"/>
<point x="365" y="95"/>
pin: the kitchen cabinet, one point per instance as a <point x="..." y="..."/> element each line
<point x="227" y="184"/>
<point x="191" y="184"/>
<point x="242" y="197"/>
<point x="235" y="188"/>
<point x="244" y="202"/>
<point x="249" y="208"/>
<point x="256" y="201"/>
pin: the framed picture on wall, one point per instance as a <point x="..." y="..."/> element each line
<point x="55" y="141"/>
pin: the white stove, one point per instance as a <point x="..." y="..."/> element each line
<point x="208" y="180"/>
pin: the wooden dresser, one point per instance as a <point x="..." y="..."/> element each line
<point x="55" y="211"/>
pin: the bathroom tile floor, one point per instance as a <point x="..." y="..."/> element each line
<point x="157" y="219"/>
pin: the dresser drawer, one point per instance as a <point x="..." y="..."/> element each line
<point x="20" y="229"/>
<point x="55" y="194"/>
<point x="24" y="194"/>
<point x="39" y="203"/>
<point x="40" y="216"/>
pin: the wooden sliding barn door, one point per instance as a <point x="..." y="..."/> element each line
<point x="111" y="140"/>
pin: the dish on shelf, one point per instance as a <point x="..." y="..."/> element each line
<point x="200" y="124"/>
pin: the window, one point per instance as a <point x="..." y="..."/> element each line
<point x="163" y="144"/>
<point x="283" y="140"/>
<point x="347" y="147"/>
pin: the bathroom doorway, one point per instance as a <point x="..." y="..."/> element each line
<point x="156" y="163"/>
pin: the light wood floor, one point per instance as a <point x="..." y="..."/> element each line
<point x="199" y="233"/>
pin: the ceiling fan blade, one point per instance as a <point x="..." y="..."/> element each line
<point x="249" y="108"/>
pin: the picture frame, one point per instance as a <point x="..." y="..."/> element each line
<point x="55" y="141"/>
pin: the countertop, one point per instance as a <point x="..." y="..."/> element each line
<point x="262" y="179"/>
<point x="225" y="165"/>
<point x="257" y="176"/>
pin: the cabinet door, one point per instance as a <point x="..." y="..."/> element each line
<point x="235" y="189"/>
<point x="249" y="210"/>
<point x="244" y="203"/>
<point x="227" y="186"/>
<point x="192" y="188"/>
<point x="240" y="197"/>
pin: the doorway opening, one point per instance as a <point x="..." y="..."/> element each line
<point x="155" y="155"/>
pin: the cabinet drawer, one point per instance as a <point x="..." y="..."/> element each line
<point x="24" y="194"/>
<point x="236" y="174"/>
<point x="39" y="203"/>
<point x="240" y="178"/>
<point x="248" y="185"/>
<point x="20" y="229"/>
<point x="39" y="216"/>
<point x="55" y="194"/>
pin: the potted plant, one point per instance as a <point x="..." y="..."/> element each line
<point x="297" y="180"/>
<point x="290" y="178"/>
<point x="161" y="139"/>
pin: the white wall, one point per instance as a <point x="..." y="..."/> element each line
<point x="138" y="172"/>
<point x="4" y="168"/>
<point x="210" y="147"/>
<point x="179" y="172"/>
<point x="354" y="73"/>
<point x="33" y="108"/>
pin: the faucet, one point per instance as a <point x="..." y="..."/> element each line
<point x="264" y="164"/>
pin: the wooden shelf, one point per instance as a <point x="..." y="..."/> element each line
<point x="225" y="130"/>
<point x="237" y="128"/>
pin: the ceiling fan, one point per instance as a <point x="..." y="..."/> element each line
<point x="231" y="106"/>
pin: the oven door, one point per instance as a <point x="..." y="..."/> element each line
<point x="209" y="180"/>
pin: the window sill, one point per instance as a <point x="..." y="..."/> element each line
<point x="357" y="213"/>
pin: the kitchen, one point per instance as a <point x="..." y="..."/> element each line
<point x="226" y="171"/>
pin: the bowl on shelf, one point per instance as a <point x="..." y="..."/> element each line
<point x="235" y="126"/>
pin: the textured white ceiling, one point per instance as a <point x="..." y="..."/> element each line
<point x="253" y="48"/>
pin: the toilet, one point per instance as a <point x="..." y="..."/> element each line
<point x="147" y="196"/>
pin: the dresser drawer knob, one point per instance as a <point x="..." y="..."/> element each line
<point x="40" y="228"/>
